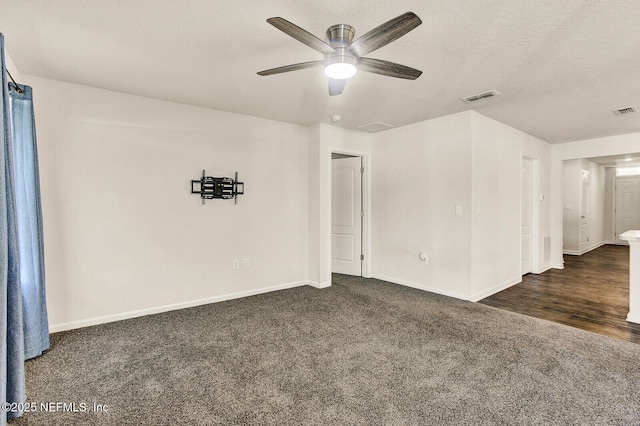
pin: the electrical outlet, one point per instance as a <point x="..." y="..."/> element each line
<point x="247" y="263"/>
<point x="423" y="257"/>
<point x="236" y="263"/>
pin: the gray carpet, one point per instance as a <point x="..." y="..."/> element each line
<point x="361" y="352"/>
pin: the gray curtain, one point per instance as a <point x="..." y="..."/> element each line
<point x="29" y="220"/>
<point x="23" y="314"/>
<point x="11" y="328"/>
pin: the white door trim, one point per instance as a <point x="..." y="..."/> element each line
<point x="366" y="206"/>
<point x="346" y="215"/>
<point x="536" y="199"/>
<point x="584" y="230"/>
<point x="526" y="199"/>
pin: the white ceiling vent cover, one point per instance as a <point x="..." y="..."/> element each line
<point x="625" y="111"/>
<point x="375" y="127"/>
<point x="480" y="96"/>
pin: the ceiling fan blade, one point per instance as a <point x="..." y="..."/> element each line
<point x="336" y="86"/>
<point x="390" y="69"/>
<point x="292" y="67"/>
<point x="301" y="35"/>
<point x="384" y="34"/>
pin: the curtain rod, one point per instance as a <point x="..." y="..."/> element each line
<point x="18" y="88"/>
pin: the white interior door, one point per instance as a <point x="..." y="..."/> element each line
<point x="627" y="205"/>
<point x="346" y="215"/>
<point x="583" y="244"/>
<point x="525" y="216"/>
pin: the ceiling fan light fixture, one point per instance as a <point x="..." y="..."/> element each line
<point x="343" y="56"/>
<point x="340" y="67"/>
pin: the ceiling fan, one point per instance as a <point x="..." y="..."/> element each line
<point x="343" y="56"/>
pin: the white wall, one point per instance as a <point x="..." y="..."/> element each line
<point x="498" y="151"/>
<point x="571" y="203"/>
<point x="11" y="66"/>
<point x="495" y="195"/>
<point x="422" y="172"/>
<point x="124" y="236"/>
<point x="609" y="205"/>
<point x="539" y="152"/>
<point x="612" y="145"/>
<point x="571" y="186"/>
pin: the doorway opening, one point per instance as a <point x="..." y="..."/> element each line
<point x="627" y="205"/>
<point x="347" y="214"/>
<point x="585" y="238"/>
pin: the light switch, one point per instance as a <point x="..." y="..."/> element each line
<point x="458" y="210"/>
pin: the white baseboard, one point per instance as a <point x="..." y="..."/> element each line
<point x="595" y="246"/>
<point x="421" y="287"/>
<point x="166" y="308"/>
<point x="495" y="289"/>
<point x="319" y="285"/>
<point x="544" y="269"/>
<point x="633" y="317"/>
<point x="474" y="298"/>
<point x="557" y="265"/>
<point x="578" y="253"/>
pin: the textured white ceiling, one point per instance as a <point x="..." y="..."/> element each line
<point x="631" y="159"/>
<point x="561" y="66"/>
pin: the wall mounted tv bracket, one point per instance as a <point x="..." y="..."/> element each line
<point x="216" y="187"/>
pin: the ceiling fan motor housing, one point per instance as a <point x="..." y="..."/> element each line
<point x="340" y="37"/>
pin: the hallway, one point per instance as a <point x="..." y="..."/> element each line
<point x="591" y="293"/>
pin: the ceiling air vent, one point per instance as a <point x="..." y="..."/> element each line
<point x="625" y="111"/>
<point x="375" y="127"/>
<point x="480" y="96"/>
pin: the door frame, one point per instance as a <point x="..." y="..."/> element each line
<point x="529" y="162"/>
<point x="357" y="261"/>
<point x="536" y="199"/>
<point x="584" y="213"/>
<point x="366" y="207"/>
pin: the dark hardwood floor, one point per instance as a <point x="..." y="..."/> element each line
<point x="591" y="293"/>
